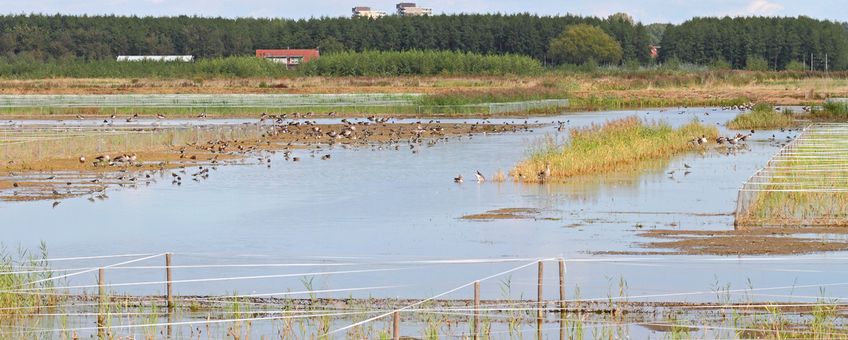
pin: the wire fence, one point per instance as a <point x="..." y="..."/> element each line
<point x="334" y="312"/>
<point x="805" y="183"/>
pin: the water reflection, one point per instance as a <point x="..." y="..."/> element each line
<point x="396" y="204"/>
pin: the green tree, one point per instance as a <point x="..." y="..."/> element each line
<point x="330" y="45"/>
<point x="581" y="43"/>
<point x="655" y="32"/>
<point x="796" y="66"/>
<point x="755" y="63"/>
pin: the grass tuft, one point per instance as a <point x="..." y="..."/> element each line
<point x="614" y="145"/>
<point x="762" y="116"/>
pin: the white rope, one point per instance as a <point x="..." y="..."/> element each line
<point x="216" y="279"/>
<point x="432" y="297"/>
<point x="304" y="292"/>
<point x="90" y="257"/>
<point x="83" y="272"/>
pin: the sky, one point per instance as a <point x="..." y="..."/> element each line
<point x="646" y="11"/>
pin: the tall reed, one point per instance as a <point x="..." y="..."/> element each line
<point x="614" y="145"/>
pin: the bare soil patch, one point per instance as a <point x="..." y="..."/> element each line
<point x="751" y="241"/>
<point x="508" y="214"/>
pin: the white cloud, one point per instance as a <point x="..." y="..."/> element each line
<point x="762" y="7"/>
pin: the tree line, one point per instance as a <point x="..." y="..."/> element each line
<point x="43" y="37"/>
<point x="772" y="43"/>
<point x="758" y="42"/>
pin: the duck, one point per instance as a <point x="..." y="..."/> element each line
<point x="544" y="174"/>
<point x="457" y="179"/>
<point x="82" y="159"/>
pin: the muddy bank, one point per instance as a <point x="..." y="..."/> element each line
<point x="505" y="214"/>
<point x="753" y="241"/>
<point x="92" y="174"/>
<point x="509" y="214"/>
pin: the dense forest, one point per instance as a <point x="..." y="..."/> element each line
<point x="776" y="41"/>
<point x="100" y="37"/>
<point x="771" y="43"/>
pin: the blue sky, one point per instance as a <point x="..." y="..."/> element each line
<point x="647" y="11"/>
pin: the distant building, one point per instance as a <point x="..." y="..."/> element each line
<point x="291" y="58"/>
<point x="655" y="51"/>
<point x="410" y="9"/>
<point x="181" y="58"/>
<point x="367" y="12"/>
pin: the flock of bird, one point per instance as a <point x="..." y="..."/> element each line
<point x="478" y="175"/>
<point x="289" y="132"/>
<point x="732" y="140"/>
<point x="294" y="131"/>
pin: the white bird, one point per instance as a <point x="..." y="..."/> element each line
<point x="480" y="177"/>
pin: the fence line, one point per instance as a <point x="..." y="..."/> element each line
<point x="785" y="191"/>
<point x="413" y="307"/>
<point x="431" y="298"/>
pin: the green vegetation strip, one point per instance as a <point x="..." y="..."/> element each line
<point x="762" y="117"/>
<point x="806" y="183"/>
<point x="615" y="145"/>
<point x="493" y="102"/>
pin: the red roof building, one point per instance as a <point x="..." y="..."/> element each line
<point x="291" y="58"/>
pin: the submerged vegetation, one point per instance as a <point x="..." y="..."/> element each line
<point x="45" y="310"/>
<point x="614" y="145"/>
<point x="762" y="117"/>
<point x="37" y="277"/>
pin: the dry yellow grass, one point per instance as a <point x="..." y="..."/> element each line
<point x="608" y="147"/>
<point x="633" y="90"/>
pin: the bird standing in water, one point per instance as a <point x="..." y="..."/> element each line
<point x="480" y="177"/>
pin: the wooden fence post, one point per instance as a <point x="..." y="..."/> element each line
<point x="539" y="297"/>
<point x="101" y="306"/>
<point x="396" y="325"/>
<point x="562" y="285"/>
<point x="476" y="324"/>
<point x="168" y="279"/>
<point x="562" y="314"/>
<point x="170" y="294"/>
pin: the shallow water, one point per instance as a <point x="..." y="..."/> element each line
<point x="366" y="207"/>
